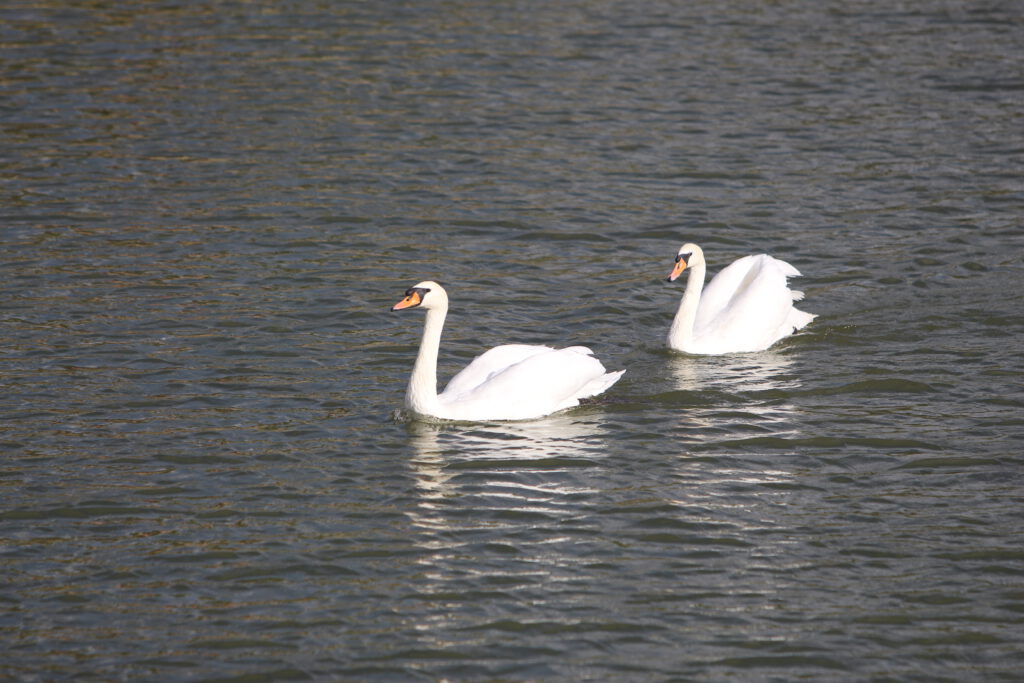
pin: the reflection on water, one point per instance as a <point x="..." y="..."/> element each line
<point x="497" y="517"/>
<point x="740" y="398"/>
<point x="552" y="445"/>
<point x="764" y="371"/>
<point x="554" y="436"/>
<point x="516" y="515"/>
<point x="504" y="492"/>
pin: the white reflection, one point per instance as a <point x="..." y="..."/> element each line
<point x="514" y="443"/>
<point x="525" y="466"/>
<point x="764" y="371"/>
<point x="743" y="396"/>
<point x="498" y="508"/>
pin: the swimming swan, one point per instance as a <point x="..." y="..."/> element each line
<point x="510" y="382"/>
<point x="746" y="307"/>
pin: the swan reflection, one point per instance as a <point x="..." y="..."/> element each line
<point x="526" y="466"/>
<point x="764" y="371"/>
<point x="497" y="518"/>
<point x="741" y="395"/>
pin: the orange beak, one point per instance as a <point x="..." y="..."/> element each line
<point x="677" y="270"/>
<point x="412" y="299"/>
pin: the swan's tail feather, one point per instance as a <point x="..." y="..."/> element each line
<point x="600" y="384"/>
<point x="788" y="269"/>
<point x="797" y="295"/>
<point x="800" y="319"/>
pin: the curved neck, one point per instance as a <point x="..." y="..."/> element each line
<point x="421" y="394"/>
<point x="681" y="331"/>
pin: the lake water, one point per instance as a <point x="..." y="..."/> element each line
<point x="208" y="209"/>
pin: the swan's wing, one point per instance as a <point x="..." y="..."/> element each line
<point x="729" y="282"/>
<point x="488" y="363"/>
<point x="759" y="310"/>
<point x="539" y="384"/>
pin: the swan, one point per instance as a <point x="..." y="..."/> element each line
<point x="746" y="307"/>
<point x="510" y="382"/>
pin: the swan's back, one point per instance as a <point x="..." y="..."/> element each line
<point x="748" y="306"/>
<point x="489" y="363"/>
<point x="519" y="382"/>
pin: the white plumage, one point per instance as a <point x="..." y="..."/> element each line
<point x="510" y="382"/>
<point x="746" y="307"/>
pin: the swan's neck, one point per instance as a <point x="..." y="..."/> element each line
<point x="681" y="332"/>
<point x="421" y="395"/>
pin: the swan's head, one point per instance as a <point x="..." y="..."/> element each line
<point x="689" y="256"/>
<point x="427" y="294"/>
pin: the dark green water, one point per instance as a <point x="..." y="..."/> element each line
<point x="207" y="210"/>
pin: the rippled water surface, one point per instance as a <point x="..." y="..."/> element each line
<point x="207" y="210"/>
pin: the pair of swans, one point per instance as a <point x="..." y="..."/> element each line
<point x="746" y="307"/>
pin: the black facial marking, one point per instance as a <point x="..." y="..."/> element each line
<point x="685" y="258"/>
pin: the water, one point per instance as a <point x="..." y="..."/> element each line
<point x="208" y="210"/>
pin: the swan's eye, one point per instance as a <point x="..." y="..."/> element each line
<point x="683" y="257"/>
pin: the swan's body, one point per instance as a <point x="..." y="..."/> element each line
<point x="510" y="382"/>
<point x="746" y="307"/>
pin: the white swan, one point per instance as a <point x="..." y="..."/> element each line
<point x="510" y="382"/>
<point x="746" y="307"/>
